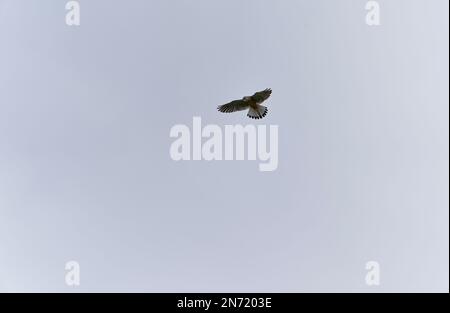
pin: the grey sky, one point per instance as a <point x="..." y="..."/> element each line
<point x="85" y="171"/>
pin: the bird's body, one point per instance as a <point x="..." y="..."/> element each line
<point x="252" y="103"/>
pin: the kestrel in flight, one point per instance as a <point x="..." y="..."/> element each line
<point x="252" y="103"/>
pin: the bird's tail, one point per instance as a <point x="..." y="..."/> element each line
<point x="257" y="113"/>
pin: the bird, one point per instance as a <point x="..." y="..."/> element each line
<point x="252" y="103"/>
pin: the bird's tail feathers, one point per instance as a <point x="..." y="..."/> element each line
<point x="257" y="113"/>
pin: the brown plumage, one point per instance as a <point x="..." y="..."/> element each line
<point x="252" y="103"/>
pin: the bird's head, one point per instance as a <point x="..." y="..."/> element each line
<point x="247" y="98"/>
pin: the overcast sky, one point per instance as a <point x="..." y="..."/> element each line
<point x="86" y="175"/>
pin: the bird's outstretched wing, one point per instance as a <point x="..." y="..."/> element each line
<point x="233" y="106"/>
<point x="262" y="96"/>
